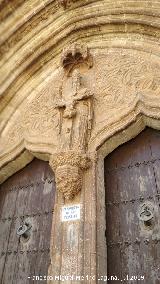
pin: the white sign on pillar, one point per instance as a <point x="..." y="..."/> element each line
<point x="71" y="213"/>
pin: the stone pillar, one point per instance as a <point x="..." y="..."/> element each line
<point x="73" y="243"/>
<point x="73" y="251"/>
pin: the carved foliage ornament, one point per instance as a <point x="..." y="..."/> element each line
<point x="68" y="168"/>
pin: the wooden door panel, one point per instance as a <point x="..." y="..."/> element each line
<point x="132" y="177"/>
<point x="28" y="196"/>
<point x="156" y="167"/>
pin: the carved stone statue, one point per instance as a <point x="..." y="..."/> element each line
<point x="75" y="106"/>
<point x="76" y="114"/>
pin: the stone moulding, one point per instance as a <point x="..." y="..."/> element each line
<point x="68" y="168"/>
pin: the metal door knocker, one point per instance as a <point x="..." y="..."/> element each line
<point x="146" y="214"/>
<point x="24" y="231"/>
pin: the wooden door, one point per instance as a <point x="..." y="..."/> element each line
<point x="26" y="198"/>
<point x="132" y="182"/>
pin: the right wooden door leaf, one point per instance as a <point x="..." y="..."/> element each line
<point x="132" y="182"/>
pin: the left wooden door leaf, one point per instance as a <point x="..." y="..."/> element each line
<point x="26" y="198"/>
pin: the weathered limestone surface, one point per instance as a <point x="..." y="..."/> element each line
<point x="77" y="79"/>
